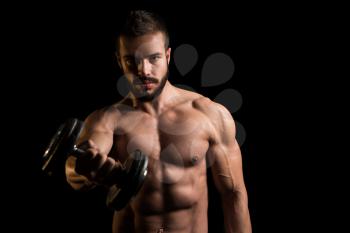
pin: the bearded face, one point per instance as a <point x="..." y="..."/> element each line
<point x="144" y="61"/>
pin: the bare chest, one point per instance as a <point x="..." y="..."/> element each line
<point x="176" y="144"/>
<point x="177" y="138"/>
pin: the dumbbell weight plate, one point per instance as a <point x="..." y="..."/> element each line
<point x="61" y="145"/>
<point x="136" y="165"/>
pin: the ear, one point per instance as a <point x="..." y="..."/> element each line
<point x="119" y="61"/>
<point x="167" y="54"/>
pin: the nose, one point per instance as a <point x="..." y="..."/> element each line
<point x="144" y="68"/>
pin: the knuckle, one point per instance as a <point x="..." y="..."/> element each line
<point x="110" y="161"/>
<point x="90" y="143"/>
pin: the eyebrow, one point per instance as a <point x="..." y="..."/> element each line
<point x="128" y="56"/>
<point x="151" y="55"/>
<point x="154" y="54"/>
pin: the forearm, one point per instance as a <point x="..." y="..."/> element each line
<point x="236" y="213"/>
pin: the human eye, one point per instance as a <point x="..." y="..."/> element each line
<point x="154" y="58"/>
<point x="130" y="61"/>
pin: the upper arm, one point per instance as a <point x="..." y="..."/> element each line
<point x="225" y="154"/>
<point x="99" y="127"/>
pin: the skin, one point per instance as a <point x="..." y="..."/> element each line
<point x="181" y="132"/>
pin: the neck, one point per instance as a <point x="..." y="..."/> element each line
<point x="159" y="103"/>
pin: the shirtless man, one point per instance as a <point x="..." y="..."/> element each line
<point x="181" y="132"/>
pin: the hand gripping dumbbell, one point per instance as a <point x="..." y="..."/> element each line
<point x="63" y="144"/>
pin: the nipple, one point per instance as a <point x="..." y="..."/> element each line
<point x="194" y="159"/>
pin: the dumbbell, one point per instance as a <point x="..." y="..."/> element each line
<point x="63" y="144"/>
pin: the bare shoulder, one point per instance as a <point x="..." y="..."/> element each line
<point x="104" y="118"/>
<point x="188" y="96"/>
<point x="214" y="111"/>
<point x="218" y="116"/>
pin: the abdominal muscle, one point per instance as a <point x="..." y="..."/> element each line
<point x="160" y="206"/>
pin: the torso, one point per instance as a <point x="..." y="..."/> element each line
<point x="174" y="195"/>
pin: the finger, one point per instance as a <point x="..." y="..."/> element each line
<point x="87" y="144"/>
<point x="85" y="164"/>
<point x="105" y="170"/>
<point x="90" y="154"/>
<point x="116" y="175"/>
<point x="97" y="161"/>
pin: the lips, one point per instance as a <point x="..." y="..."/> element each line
<point x="145" y="82"/>
<point x="147" y="85"/>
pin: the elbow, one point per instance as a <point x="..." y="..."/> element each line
<point x="235" y="195"/>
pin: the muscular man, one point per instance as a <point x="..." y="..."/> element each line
<point x="181" y="132"/>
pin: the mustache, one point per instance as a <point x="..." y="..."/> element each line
<point x="140" y="80"/>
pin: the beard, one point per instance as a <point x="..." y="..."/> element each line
<point x="141" y="94"/>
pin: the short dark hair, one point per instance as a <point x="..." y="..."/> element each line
<point x="141" y="22"/>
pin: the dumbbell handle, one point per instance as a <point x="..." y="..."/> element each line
<point x="77" y="152"/>
<point x="120" y="169"/>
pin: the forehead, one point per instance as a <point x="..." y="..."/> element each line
<point x="142" y="45"/>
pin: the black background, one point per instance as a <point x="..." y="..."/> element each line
<point x="65" y="67"/>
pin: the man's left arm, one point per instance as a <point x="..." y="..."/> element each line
<point x="225" y="154"/>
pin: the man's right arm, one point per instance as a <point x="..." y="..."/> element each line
<point x="96" y="139"/>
